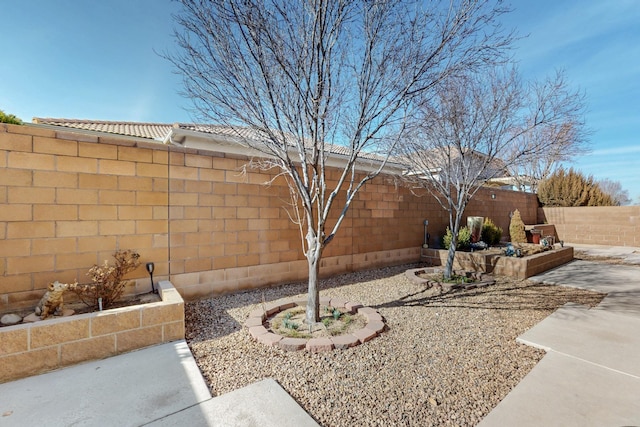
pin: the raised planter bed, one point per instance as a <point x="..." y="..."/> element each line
<point x="520" y="268"/>
<point x="32" y="348"/>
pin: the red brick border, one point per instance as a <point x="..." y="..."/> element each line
<point x="255" y="324"/>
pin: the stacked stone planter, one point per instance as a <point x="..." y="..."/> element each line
<point x="258" y="331"/>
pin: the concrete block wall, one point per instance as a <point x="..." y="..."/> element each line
<point x="32" y="348"/>
<point x="595" y="225"/>
<point x="69" y="200"/>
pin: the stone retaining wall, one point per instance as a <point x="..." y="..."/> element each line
<point x="32" y="348"/>
<point x="519" y="268"/>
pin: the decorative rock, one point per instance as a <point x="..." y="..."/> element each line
<point x="272" y="308"/>
<point x="258" y="312"/>
<point x="365" y="335"/>
<point x="269" y="339"/>
<point x="343" y="342"/>
<point x="316" y="345"/>
<point x="253" y="321"/>
<point x="375" y="325"/>
<point x="35" y="318"/>
<point x="373" y="317"/>
<point x="366" y="310"/>
<point x="255" y="331"/>
<point x="258" y="329"/>
<point x="353" y="307"/>
<point x="337" y="302"/>
<point x="292" y="344"/>
<point x="31" y="318"/>
<point x="10" y="319"/>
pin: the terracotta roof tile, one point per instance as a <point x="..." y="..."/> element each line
<point x="157" y="131"/>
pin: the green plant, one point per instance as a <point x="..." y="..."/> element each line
<point x="572" y="188"/>
<point x="9" y="118"/>
<point x="289" y="324"/>
<point x="516" y="228"/>
<point x="464" y="238"/>
<point x="336" y="314"/>
<point x="491" y="233"/>
<point x="107" y="280"/>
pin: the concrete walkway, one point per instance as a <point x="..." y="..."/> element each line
<point x="156" y="386"/>
<point x="590" y="375"/>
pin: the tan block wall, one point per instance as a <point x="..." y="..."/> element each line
<point x="520" y="268"/>
<point x="595" y="225"/>
<point x="68" y="200"/>
<point x="33" y="348"/>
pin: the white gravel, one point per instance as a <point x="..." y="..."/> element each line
<point x="444" y="360"/>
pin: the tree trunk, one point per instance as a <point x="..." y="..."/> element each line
<point x="448" y="268"/>
<point x="313" y="294"/>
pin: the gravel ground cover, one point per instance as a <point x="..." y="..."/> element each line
<point x="444" y="359"/>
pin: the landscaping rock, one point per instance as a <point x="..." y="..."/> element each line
<point x="10" y="319"/>
<point x="31" y="318"/>
<point x="442" y="361"/>
<point x="317" y="345"/>
<point x="365" y="334"/>
<point x="343" y="342"/>
<point x="269" y="338"/>
<point x="292" y="344"/>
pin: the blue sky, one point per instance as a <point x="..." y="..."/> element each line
<point x="97" y="60"/>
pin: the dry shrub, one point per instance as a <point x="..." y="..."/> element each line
<point x="108" y="282"/>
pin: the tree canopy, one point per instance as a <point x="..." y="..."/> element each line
<point x="9" y="118"/>
<point x="571" y="188"/>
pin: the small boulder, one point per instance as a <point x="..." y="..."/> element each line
<point x="31" y="318"/>
<point x="10" y="319"/>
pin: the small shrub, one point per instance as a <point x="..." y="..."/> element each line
<point x="107" y="280"/>
<point x="464" y="238"/>
<point x="516" y="228"/>
<point x="491" y="233"/>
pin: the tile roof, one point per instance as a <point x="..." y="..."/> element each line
<point x="157" y="131"/>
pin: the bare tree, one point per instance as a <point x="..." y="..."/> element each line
<point x="570" y="141"/>
<point x="323" y="82"/>
<point x="478" y="126"/>
<point x="615" y="191"/>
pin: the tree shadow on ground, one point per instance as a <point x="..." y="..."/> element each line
<point x="522" y="295"/>
<point x="210" y="318"/>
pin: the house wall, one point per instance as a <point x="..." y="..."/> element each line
<point x="595" y="225"/>
<point x="68" y="200"/>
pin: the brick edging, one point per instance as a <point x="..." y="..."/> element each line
<point x="255" y="324"/>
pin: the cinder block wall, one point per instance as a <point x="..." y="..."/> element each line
<point x="595" y="225"/>
<point x="68" y="200"/>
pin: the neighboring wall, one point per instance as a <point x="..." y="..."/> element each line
<point x="595" y="225"/>
<point x="68" y="200"/>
